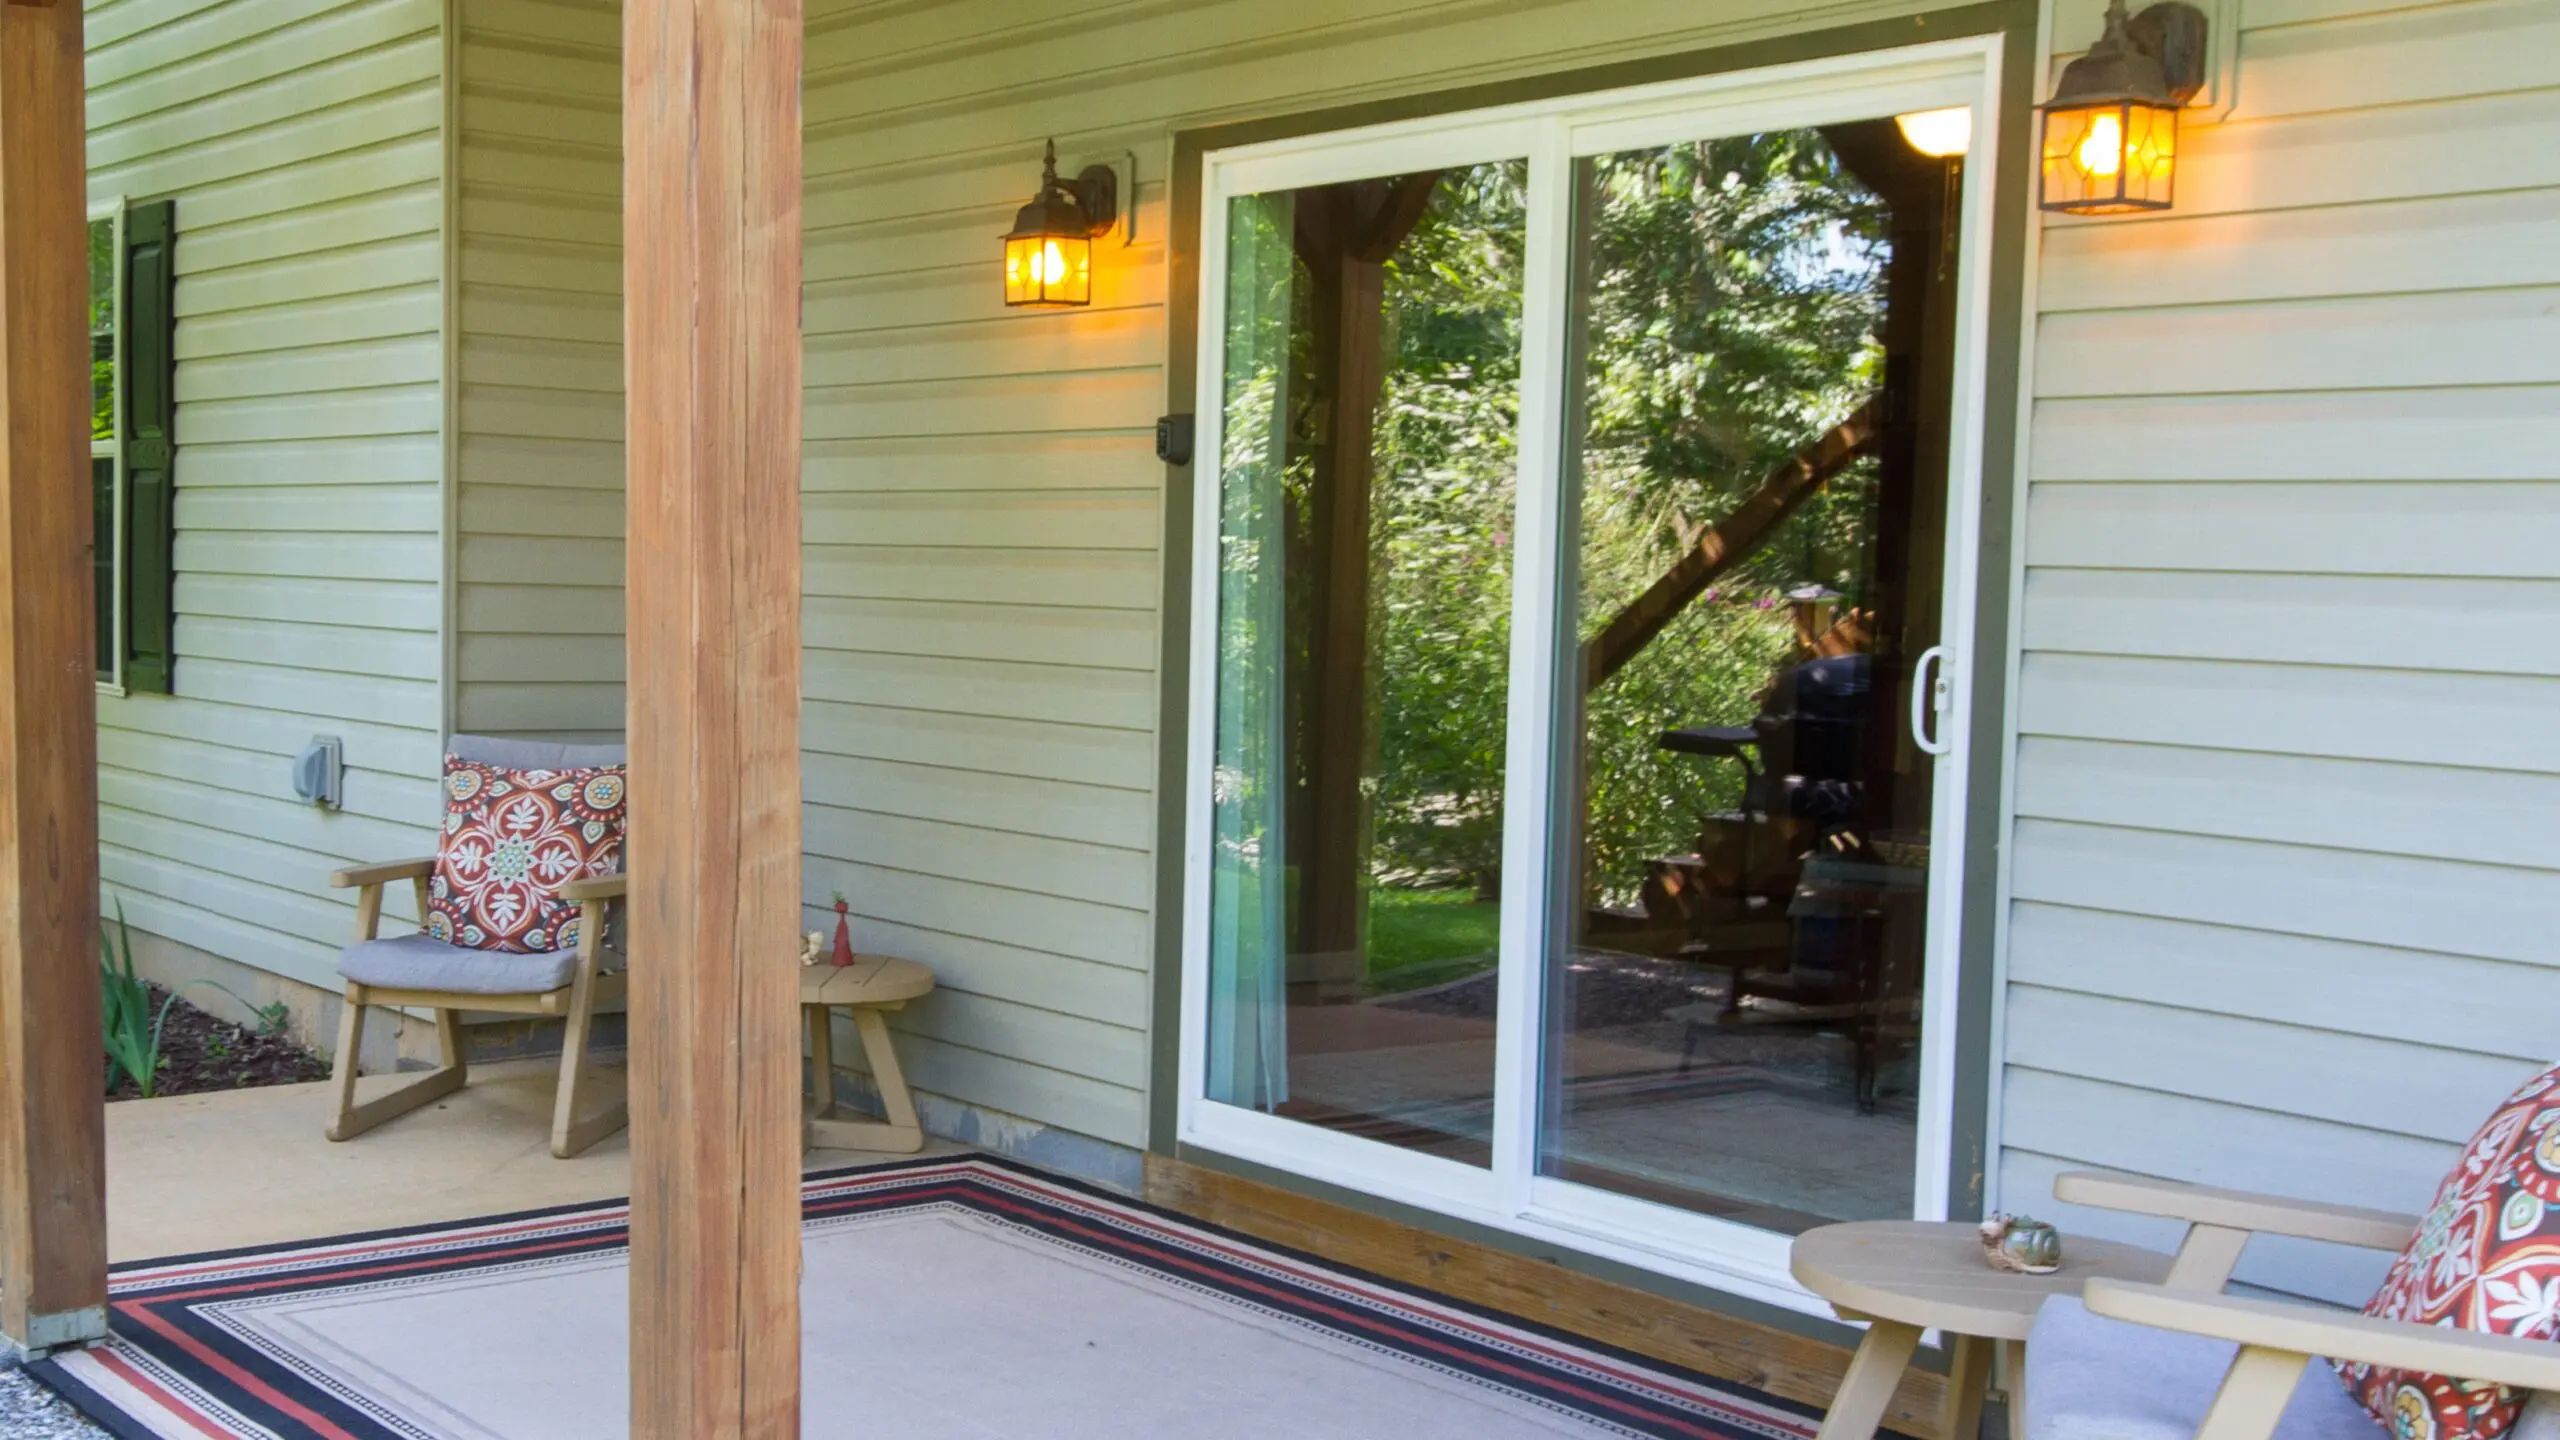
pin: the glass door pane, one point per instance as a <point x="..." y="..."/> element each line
<point x="1366" y="492"/>
<point x="1755" y="514"/>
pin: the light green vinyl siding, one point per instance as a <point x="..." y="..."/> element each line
<point x="300" y="139"/>
<point x="983" y="503"/>
<point x="2284" y="867"/>
<point x="539" y="617"/>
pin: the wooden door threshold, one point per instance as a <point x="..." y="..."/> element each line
<point x="1723" y="1346"/>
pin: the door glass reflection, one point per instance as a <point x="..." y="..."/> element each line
<point x="1366" y="491"/>
<point x="1756" y="485"/>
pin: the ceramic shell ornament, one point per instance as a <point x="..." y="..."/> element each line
<point x="2022" y="1245"/>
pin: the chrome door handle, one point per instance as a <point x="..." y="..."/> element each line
<point x="1931" y="696"/>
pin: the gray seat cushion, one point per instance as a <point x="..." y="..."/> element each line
<point x="2092" y="1378"/>
<point x="419" y="962"/>
<point x="509" y="754"/>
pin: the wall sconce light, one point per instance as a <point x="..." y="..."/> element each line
<point x="1048" y="255"/>
<point x="2111" y="128"/>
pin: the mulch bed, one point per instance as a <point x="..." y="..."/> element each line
<point x="199" y="1053"/>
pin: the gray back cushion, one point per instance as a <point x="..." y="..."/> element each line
<point x="509" y="754"/>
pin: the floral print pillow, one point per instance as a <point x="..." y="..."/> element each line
<point x="2486" y="1258"/>
<point x="512" y="838"/>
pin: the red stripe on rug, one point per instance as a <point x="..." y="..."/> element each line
<point x="424" y="1262"/>
<point x="126" y="1371"/>
<point x="242" y="1378"/>
<point x="137" y="1280"/>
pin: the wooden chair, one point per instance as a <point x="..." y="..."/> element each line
<point x="2182" y="1358"/>
<point x="419" y="971"/>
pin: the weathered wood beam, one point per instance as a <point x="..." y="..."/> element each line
<point x="712" y="257"/>
<point x="1728" y="542"/>
<point x="53" y="1234"/>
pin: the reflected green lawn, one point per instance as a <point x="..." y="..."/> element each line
<point x="1422" y="937"/>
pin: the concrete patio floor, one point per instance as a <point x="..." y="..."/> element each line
<point x="250" y="1167"/>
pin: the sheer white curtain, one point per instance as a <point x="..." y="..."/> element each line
<point x="1249" y="881"/>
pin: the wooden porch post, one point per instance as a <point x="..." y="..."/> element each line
<point x="53" y="1171"/>
<point x="711" y="215"/>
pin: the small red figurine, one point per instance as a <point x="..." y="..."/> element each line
<point x="844" y="934"/>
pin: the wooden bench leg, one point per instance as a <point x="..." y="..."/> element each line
<point x="822" y="1060"/>
<point x="2013" y="1359"/>
<point x="894" y="1095"/>
<point x="1874" y="1372"/>
<point x="1968" y="1376"/>
<point x="354" y="1119"/>
<point x="903" y="1133"/>
<point x="569" y="1134"/>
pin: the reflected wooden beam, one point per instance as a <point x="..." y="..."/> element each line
<point x="1345" y="234"/>
<point x="53" y="1237"/>
<point x="1728" y="542"/>
<point x="711" y="260"/>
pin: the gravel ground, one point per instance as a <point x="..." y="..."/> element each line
<point x="28" y="1411"/>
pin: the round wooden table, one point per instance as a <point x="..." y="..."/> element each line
<point x="870" y="987"/>
<point x="1906" y="1276"/>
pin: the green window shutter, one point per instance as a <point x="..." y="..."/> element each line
<point x="150" y="446"/>
<point x="102" y="499"/>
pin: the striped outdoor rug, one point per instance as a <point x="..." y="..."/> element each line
<point x="951" y="1298"/>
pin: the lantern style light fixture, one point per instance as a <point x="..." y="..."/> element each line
<point x="2111" y="128"/>
<point x="1048" y="254"/>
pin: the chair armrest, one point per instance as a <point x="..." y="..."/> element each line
<point x="2338" y="1334"/>
<point x="2238" y="1209"/>
<point x="596" y="887"/>
<point x="384" y="873"/>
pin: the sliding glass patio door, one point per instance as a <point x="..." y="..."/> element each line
<point x="1582" y="509"/>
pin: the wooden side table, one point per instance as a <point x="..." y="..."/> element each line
<point x="1906" y="1276"/>
<point x="870" y="987"/>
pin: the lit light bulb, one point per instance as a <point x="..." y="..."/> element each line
<point x="2102" y="149"/>
<point x="1053" y="263"/>
<point x="1938" y="133"/>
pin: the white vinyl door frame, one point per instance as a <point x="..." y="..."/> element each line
<point x="1509" y="1195"/>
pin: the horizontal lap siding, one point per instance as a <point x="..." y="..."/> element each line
<point x="300" y="139"/>
<point x="538" y="621"/>
<point x="2283" y="861"/>
<point x="983" y="506"/>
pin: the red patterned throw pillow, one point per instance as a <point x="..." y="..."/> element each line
<point x="2486" y="1258"/>
<point x="512" y="838"/>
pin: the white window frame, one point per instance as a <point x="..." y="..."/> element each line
<point x="1509" y="1195"/>
<point x="111" y="679"/>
